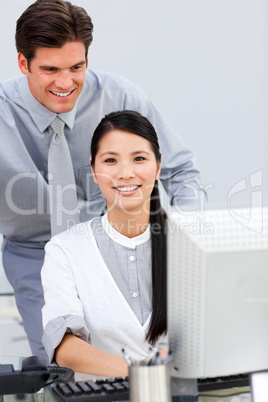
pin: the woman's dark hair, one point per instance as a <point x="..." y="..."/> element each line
<point x="135" y="123"/>
<point x="51" y="24"/>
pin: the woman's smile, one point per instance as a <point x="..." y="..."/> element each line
<point x="127" y="190"/>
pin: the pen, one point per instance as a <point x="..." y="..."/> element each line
<point x="127" y="358"/>
<point x="152" y="352"/>
<point x="153" y="359"/>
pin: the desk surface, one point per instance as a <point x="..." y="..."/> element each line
<point x="47" y="397"/>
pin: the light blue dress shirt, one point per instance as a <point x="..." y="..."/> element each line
<point x="25" y="137"/>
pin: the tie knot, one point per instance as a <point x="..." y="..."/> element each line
<point x="57" y="125"/>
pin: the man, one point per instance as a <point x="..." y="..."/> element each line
<point x="52" y="40"/>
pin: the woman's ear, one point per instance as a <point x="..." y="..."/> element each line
<point x="93" y="171"/>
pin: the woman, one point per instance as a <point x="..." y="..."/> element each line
<point x="105" y="280"/>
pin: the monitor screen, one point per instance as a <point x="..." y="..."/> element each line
<point x="218" y="292"/>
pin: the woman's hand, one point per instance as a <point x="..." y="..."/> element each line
<point x="163" y="353"/>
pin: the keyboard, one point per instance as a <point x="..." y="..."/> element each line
<point x="232" y="381"/>
<point x="117" y="389"/>
<point x="110" y="389"/>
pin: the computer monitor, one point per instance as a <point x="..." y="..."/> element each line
<point x="218" y="292"/>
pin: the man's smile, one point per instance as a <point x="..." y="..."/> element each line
<point x="62" y="94"/>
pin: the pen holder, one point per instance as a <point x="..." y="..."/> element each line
<point x="150" y="383"/>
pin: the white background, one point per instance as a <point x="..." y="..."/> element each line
<point x="204" y="63"/>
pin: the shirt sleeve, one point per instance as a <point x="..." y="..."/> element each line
<point x="63" y="311"/>
<point x="179" y="174"/>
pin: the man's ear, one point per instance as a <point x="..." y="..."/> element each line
<point x="93" y="172"/>
<point x="23" y="64"/>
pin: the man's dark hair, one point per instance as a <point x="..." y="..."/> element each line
<point x="51" y="24"/>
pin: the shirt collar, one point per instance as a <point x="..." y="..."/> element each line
<point x="121" y="239"/>
<point x="39" y="113"/>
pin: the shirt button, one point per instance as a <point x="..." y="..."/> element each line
<point x="135" y="294"/>
<point x="132" y="258"/>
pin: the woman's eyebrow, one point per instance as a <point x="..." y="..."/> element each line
<point x="140" y="152"/>
<point x="116" y="153"/>
<point x="108" y="153"/>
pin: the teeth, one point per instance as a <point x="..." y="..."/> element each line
<point x="61" y="93"/>
<point x="130" y="188"/>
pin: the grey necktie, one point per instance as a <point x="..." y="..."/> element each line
<point x="62" y="188"/>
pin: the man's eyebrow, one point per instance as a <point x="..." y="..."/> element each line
<point x="79" y="64"/>
<point x="75" y="65"/>
<point x="47" y="66"/>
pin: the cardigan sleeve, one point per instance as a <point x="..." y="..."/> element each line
<point x="63" y="310"/>
<point x="57" y="328"/>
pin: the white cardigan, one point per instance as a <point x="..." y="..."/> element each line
<point x="80" y="291"/>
